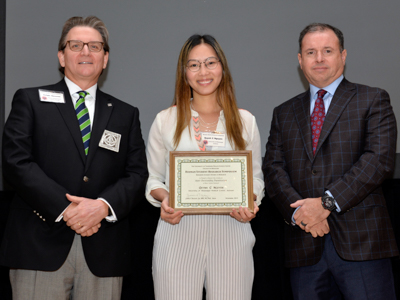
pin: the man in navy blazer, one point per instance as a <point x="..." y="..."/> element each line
<point x="326" y="181"/>
<point x="68" y="232"/>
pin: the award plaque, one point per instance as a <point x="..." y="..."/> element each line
<point x="213" y="182"/>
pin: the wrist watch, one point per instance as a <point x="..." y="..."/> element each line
<point x="328" y="202"/>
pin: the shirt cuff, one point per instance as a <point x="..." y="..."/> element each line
<point x="113" y="217"/>
<point x="61" y="215"/>
<point x="293" y="220"/>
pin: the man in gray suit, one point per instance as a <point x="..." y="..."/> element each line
<point x="329" y="150"/>
<point x="76" y="159"/>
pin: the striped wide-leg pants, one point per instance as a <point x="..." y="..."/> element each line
<point x="214" y="251"/>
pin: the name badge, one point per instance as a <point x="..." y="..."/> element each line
<point x="110" y="140"/>
<point x="51" y="96"/>
<point x="213" y="139"/>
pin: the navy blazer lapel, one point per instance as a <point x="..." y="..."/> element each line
<point x="102" y="114"/>
<point x="67" y="112"/>
<point x="343" y="94"/>
<point x="301" y="109"/>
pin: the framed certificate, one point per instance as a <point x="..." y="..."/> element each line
<point x="211" y="182"/>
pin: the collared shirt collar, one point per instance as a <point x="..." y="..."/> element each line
<point x="74" y="89"/>
<point x="331" y="89"/>
<point x="90" y="100"/>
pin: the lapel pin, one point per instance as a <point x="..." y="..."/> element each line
<point x="109" y="104"/>
<point x="110" y="140"/>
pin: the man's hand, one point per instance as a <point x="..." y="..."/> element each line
<point x="91" y="231"/>
<point x="319" y="229"/>
<point x="310" y="213"/>
<point x="84" y="215"/>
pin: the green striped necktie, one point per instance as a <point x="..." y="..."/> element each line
<point x="82" y="114"/>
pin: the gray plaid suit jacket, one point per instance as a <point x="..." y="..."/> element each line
<point x="355" y="154"/>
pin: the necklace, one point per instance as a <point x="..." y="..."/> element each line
<point x="202" y="122"/>
<point x="205" y="123"/>
<point x="207" y="128"/>
<point x="198" y="122"/>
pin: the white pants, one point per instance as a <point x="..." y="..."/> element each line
<point x="203" y="250"/>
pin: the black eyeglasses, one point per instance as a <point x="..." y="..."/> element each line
<point x="194" y="65"/>
<point x="77" y="46"/>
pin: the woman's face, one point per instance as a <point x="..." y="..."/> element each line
<point x="204" y="82"/>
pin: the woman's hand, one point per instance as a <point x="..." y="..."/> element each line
<point x="168" y="214"/>
<point x="244" y="215"/>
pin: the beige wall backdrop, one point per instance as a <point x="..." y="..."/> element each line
<point x="258" y="37"/>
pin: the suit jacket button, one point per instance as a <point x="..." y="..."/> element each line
<point x="85" y="178"/>
<point x="313" y="172"/>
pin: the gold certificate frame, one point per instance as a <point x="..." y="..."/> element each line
<point x="213" y="182"/>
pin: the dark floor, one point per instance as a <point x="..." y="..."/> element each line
<point x="270" y="275"/>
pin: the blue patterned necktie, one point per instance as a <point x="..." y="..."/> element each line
<point x="82" y="114"/>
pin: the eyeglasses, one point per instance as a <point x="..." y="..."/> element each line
<point x="77" y="46"/>
<point x="194" y="65"/>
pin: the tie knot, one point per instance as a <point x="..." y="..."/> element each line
<point x="82" y="94"/>
<point x="321" y="93"/>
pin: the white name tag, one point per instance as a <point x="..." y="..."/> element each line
<point x="51" y="96"/>
<point x="110" y="140"/>
<point x="213" y="139"/>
